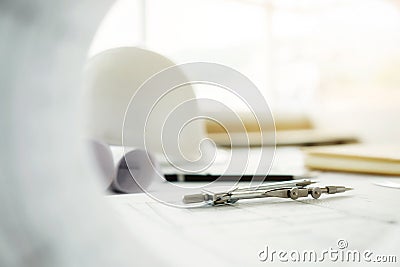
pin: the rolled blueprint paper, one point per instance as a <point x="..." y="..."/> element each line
<point x="112" y="165"/>
<point x="103" y="161"/>
<point x="143" y="169"/>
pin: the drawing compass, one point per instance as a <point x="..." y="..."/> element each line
<point x="288" y="189"/>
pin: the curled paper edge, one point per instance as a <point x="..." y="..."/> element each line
<point x="113" y="164"/>
<point x="103" y="161"/>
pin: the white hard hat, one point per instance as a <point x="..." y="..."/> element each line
<point x="111" y="79"/>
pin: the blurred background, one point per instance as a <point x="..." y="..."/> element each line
<point x="337" y="62"/>
<point x="331" y="65"/>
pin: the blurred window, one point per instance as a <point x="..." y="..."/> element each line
<point x="295" y="51"/>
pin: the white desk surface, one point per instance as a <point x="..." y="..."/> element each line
<point x="367" y="218"/>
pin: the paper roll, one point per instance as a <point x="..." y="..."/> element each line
<point x="125" y="171"/>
